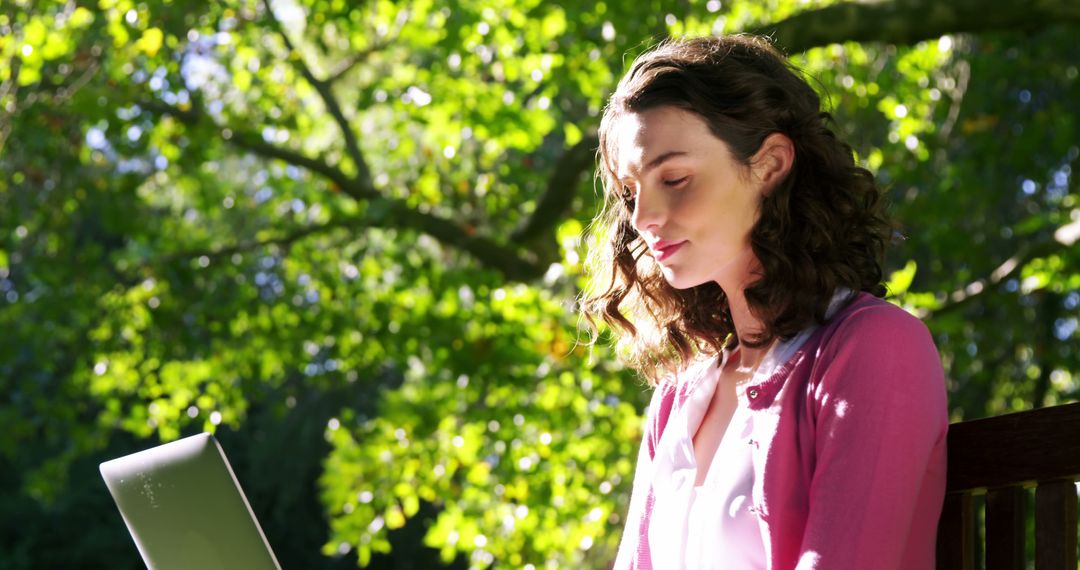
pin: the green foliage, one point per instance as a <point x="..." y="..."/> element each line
<point x="297" y="228"/>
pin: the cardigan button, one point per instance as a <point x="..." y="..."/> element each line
<point x="752" y="392"/>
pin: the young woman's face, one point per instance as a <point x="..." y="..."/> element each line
<point x="694" y="203"/>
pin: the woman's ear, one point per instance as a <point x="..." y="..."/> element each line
<point x="772" y="162"/>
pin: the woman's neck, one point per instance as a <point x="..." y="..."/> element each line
<point x="746" y="272"/>
<point x="746" y="324"/>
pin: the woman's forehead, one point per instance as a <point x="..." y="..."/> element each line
<point x="639" y="139"/>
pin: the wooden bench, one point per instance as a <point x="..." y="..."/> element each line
<point x="993" y="462"/>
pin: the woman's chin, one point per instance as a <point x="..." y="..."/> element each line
<point x="677" y="279"/>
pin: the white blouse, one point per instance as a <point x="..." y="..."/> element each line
<point x="713" y="526"/>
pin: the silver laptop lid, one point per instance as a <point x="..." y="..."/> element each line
<point x="184" y="507"/>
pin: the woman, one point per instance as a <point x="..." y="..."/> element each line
<point x="798" y="420"/>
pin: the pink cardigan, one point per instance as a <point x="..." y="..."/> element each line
<point x="848" y="448"/>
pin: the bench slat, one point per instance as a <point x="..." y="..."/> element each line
<point x="956" y="533"/>
<point x="1015" y="448"/>
<point x="1005" y="528"/>
<point x="1003" y="456"/>
<point x="1055" y="525"/>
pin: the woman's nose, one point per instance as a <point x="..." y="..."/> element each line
<point x="648" y="210"/>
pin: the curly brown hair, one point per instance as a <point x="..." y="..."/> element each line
<point x="821" y="228"/>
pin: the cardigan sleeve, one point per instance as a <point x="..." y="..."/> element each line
<point x="881" y="416"/>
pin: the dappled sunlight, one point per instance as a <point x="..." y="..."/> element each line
<point x="350" y="237"/>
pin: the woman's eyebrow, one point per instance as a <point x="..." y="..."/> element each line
<point x="656" y="162"/>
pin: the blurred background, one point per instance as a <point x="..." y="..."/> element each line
<point x="346" y="236"/>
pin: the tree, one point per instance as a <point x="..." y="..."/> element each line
<point x="349" y="237"/>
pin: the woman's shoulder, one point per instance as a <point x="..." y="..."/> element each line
<point x="876" y="356"/>
<point x="873" y="334"/>
<point x="867" y="315"/>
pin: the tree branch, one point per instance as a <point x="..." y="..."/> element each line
<point x="1026" y="254"/>
<point x="382" y="211"/>
<point x="508" y="260"/>
<point x="249" y="245"/>
<point x="910" y="21"/>
<point x="352" y="146"/>
<point x="356" y="59"/>
<point x="561" y="188"/>
<point x="255" y="143"/>
<point x="11" y="85"/>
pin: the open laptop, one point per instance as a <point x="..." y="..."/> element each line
<point x="184" y="507"/>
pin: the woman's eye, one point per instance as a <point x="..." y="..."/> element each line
<point x="676" y="182"/>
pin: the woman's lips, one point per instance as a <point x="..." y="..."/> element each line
<point x="662" y="253"/>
